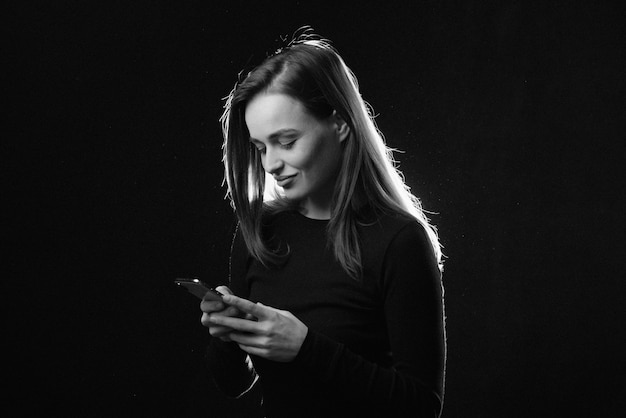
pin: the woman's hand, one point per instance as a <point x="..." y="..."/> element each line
<point x="215" y="309"/>
<point x="265" y="332"/>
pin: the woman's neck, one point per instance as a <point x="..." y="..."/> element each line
<point x="315" y="212"/>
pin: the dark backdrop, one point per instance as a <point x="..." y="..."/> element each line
<point x="510" y="117"/>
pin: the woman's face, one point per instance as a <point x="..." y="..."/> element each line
<point x="300" y="151"/>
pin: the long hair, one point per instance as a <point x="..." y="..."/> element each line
<point x="310" y="70"/>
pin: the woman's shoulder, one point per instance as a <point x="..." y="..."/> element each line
<point x="389" y="221"/>
<point x="392" y="228"/>
<point x="396" y="235"/>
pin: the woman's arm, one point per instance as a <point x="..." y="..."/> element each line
<point x="413" y="306"/>
<point x="414" y="313"/>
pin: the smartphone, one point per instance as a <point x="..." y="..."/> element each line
<point x="199" y="289"/>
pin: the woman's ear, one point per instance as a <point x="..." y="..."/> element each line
<point x="343" y="130"/>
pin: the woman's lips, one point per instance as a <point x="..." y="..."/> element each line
<point x="283" y="181"/>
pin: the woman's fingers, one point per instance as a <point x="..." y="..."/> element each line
<point x="250" y="340"/>
<point x="255" y="351"/>
<point x="209" y="306"/>
<point x="238" y="324"/>
<point x="215" y="330"/>
<point x="257" y="310"/>
<point x="207" y="321"/>
<point x="212" y="309"/>
<point x="224" y="290"/>
<point x="258" y="329"/>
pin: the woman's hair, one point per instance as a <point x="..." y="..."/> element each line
<point x="311" y="71"/>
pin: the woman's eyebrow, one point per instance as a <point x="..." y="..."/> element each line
<point x="279" y="133"/>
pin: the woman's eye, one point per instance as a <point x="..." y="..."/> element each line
<point x="287" y="145"/>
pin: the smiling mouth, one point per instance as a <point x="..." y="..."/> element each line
<point x="284" y="180"/>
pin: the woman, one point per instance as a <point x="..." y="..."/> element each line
<point x="336" y="270"/>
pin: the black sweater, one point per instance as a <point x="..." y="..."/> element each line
<point x="375" y="347"/>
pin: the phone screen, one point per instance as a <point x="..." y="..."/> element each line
<point x="199" y="289"/>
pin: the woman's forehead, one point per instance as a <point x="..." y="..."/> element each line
<point x="268" y="113"/>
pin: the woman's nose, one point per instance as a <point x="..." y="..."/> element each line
<point x="272" y="163"/>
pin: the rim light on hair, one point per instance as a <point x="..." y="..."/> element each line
<point x="310" y="70"/>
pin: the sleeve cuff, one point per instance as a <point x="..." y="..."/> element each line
<point x="319" y="354"/>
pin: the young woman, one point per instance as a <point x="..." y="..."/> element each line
<point x="335" y="301"/>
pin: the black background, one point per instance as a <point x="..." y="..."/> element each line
<point x="511" y="119"/>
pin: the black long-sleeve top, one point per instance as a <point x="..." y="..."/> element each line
<point x="375" y="347"/>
